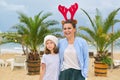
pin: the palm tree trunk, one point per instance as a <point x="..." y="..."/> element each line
<point x="112" y="48"/>
<point x="23" y="48"/>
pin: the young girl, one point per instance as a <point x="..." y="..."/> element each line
<point x="49" y="68"/>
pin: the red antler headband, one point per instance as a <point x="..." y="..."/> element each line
<point x="71" y="9"/>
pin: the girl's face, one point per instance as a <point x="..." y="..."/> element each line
<point x="68" y="30"/>
<point x="50" y="45"/>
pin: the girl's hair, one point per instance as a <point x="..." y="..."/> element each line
<point x="55" y="49"/>
<point x="73" y="22"/>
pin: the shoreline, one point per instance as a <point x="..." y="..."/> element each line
<point x="19" y="50"/>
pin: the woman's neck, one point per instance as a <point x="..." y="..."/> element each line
<point x="71" y="40"/>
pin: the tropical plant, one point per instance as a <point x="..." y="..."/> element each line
<point x="8" y="37"/>
<point x="30" y="33"/>
<point x="99" y="34"/>
<point x="33" y="30"/>
<point x="12" y="37"/>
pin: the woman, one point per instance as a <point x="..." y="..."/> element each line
<point x="73" y="53"/>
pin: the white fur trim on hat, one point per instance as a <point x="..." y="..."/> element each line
<point x="52" y="38"/>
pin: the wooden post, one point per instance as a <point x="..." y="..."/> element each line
<point x="112" y="49"/>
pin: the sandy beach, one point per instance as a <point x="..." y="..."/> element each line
<point x="20" y="74"/>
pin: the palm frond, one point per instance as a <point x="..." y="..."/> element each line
<point x="110" y="20"/>
<point x="100" y="33"/>
<point x="92" y="23"/>
<point x="89" y="31"/>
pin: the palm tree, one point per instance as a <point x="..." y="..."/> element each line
<point x="13" y="37"/>
<point x="99" y="35"/>
<point x="7" y="37"/>
<point x="33" y="30"/>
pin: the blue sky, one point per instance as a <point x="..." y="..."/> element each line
<point x="9" y="8"/>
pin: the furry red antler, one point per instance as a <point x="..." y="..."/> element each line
<point x="63" y="10"/>
<point x="73" y="9"/>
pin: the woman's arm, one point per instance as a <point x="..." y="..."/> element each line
<point x="86" y="58"/>
<point x="42" y="70"/>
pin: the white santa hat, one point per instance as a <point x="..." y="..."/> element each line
<point x="52" y="38"/>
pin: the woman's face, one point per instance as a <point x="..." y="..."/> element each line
<point x="68" y="30"/>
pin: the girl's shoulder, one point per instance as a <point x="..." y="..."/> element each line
<point x="45" y="55"/>
<point x="49" y="54"/>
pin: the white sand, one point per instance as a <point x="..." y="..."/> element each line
<point x="20" y="74"/>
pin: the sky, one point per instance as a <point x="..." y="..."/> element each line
<point x="9" y="9"/>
